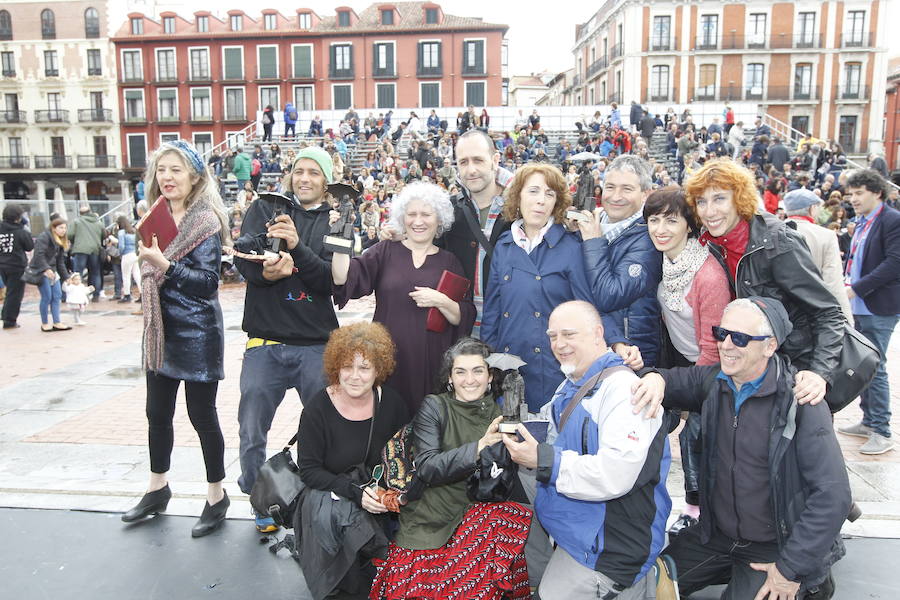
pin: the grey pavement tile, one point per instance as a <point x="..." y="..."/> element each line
<point x="19" y="424"/>
<point x="885" y="477"/>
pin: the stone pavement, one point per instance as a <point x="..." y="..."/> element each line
<point x="73" y="431"/>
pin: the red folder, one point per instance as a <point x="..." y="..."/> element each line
<point x="158" y="221"/>
<point x="454" y="287"/>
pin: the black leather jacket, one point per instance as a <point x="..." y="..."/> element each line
<point x="777" y="264"/>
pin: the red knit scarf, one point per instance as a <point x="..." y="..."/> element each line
<point x="733" y="244"/>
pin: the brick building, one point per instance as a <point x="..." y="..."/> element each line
<point x="818" y="66"/>
<point x="205" y="78"/>
<point x="892" y="116"/>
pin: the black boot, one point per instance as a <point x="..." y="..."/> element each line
<point x="152" y="503"/>
<point x="212" y="517"/>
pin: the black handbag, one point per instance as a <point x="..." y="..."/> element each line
<point x="495" y="476"/>
<point x="32" y="275"/>
<point x="277" y="488"/>
<point x="856" y="368"/>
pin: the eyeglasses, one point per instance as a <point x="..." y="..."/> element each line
<point x="737" y="338"/>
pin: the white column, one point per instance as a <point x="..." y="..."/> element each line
<point x="59" y="204"/>
<point x="2" y="197"/>
<point x="82" y="191"/>
<point x="42" y="206"/>
<point x="125" y="186"/>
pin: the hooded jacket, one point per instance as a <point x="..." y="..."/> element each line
<point x="15" y="241"/>
<point x="86" y="234"/>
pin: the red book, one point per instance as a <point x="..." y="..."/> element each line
<point x="454" y="287"/>
<point x="158" y="221"/>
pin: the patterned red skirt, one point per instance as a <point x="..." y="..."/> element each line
<point x="483" y="559"/>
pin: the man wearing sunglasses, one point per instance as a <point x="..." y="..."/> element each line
<point x="774" y="489"/>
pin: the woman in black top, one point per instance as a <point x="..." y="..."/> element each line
<point x="342" y="431"/>
<point x="15" y="241"/>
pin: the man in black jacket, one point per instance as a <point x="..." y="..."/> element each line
<point x="774" y="487"/>
<point x="288" y="312"/>
<point x="15" y="241"/>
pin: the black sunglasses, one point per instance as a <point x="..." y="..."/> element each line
<point x="737" y="338"/>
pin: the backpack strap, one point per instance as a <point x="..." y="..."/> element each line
<point x="588" y="386"/>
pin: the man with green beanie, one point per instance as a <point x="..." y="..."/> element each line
<point x="288" y="316"/>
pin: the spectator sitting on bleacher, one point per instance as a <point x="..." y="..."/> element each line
<point x="315" y="127"/>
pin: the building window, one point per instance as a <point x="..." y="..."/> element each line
<point x="303" y="63"/>
<point x="475" y="93"/>
<point x="168" y="105"/>
<point x="168" y="24"/>
<point x="203" y="24"/>
<point x="97" y="104"/>
<point x="847" y="133"/>
<point x="803" y="82"/>
<point x="165" y="65"/>
<point x="94" y="62"/>
<point x="15" y="147"/>
<point x="203" y="143"/>
<point x="852" y="78"/>
<point x="5" y="25"/>
<point x="267" y="61"/>
<point x="167" y="137"/>
<point x="134" y="105"/>
<point x="800" y="123"/>
<point x="303" y="97"/>
<point x="709" y="32"/>
<point x="131" y="66"/>
<point x="234" y="64"/>
<point x="304" y="20"/>
<point x="51" y="66"/>
<point x="199" y="63"/>
<point x="343" y="18"/>
<point x="235" y="107"/>
<point x="342" y="96"/>
<point x="383" y="58"/>
<point x="341" y="61"/>
<point x="473" y="57"/>
<point x="756" y="37"/>
<point x="8" y="60"/>
<point x="807" y="22"/>
<point x="429" y="63"/>
<point x="54" y="102"/>
<point x="430" y="95"/>
<point x="58" y="151"/>
<point x="387" y="17"/>
<point x="48" y="24"/>
<point x="201" y="109"/>
<point x="659" y="82"/>
<point x="385" y="95"/>
<point x="91" y="23"/>
<point x="753" y="82"/>
<point x="431" y="16"/>
<point x="856" y="22"/>
<point x="269" y="95"/>
<point x="137" y="26"/>
<point x="706" y="86"/>
<point x="270" y="21"/>
<point x="100" y="150"/>
<point x="137" y="151"/>
<point x="662" y="31"/>
<point x="237" y="22"/>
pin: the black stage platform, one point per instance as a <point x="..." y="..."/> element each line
<point x="74" y="555"/>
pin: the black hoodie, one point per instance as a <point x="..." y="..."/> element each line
<point x="296" y="310"/>
<point x="15" y="241"/>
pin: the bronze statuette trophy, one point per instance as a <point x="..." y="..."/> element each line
<point x="340" y="237"/>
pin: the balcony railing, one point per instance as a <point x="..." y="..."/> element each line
<point x="166" y="78"/>
<point x="12" y="116"/>
<point x="51" y="116"/>
<point x="802" y="40"/>
<point x="98" y="161"/>
<point x="94" y="115"/>
<point x="51" y="72"/>
<point x="234" y="116"/>
<point x="134" y="119"/>
<point x="851" y="92"/>
<point x="706" y="42"/>
<point x="578" y="80"/>
<point x="707" y="92"/>
<point x="617" y="51"/>
<point x="422" y="71"/>
<point x="200" y="77"/>
<point x="53" y="162"/>
<point x="793" y="93"/>
<point x="168" y="119"/>
<point x="858" y="40"/>
<point x="15" y="162"/>
<point x="8" y="73"/>
<point x="386" y="73"/>
<point x="334" y="73"/>
<point x="663" y="95"/>
<point x="473" y="69"/>
<point x="753" y="41"/>
<point x="597" y="66"/>
<point x="663" y="45"/>
<point x="615" y="97"/>
<point x="133" y="78"/>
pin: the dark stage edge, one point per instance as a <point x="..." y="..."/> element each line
<point x="75" y="555"/>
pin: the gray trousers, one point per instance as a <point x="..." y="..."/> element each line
<point x="537" y="547"/>
<point x="567" y="579"/>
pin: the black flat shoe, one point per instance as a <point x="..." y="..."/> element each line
<point x="152" y="503"/>
<point x="212" y="517"/>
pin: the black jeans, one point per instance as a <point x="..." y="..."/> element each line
<point x="15" y="290"/>
<point x="201" y="409"/>
<point x="721" y="561"/>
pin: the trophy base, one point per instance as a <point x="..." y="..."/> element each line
<point x="576" y="215"/>
<point x="508" y="426"/>
<point x="338" y="244"/>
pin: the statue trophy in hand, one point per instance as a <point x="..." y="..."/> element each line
<point x="584" y="195"/>
<point x="513" y="400"/>
<point x="340" y="237"/>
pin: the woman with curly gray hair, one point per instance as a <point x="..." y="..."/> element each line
<point x="405" y="276"/>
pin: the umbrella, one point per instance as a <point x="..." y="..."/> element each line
<point x="585" y="156"/>
<point x="339" y="190"/>
<point x="504" y="362"/>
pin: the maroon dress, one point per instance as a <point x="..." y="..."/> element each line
<point x="387" y="269"/>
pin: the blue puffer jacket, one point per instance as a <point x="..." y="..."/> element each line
<point x="623" y="277"/>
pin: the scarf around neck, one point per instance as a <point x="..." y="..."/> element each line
<point x="677" y="275"/>
<point x="199" y="223"/>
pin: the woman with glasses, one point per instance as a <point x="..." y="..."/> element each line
<point x="342" y="431"/>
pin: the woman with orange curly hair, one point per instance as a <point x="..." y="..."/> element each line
<point x="764" y="257"/>
<point x="342" y="431"/>
<point x="536" y="266"/>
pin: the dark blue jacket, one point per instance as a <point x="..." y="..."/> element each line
<point x="623" y="277"/>
<point x="191" y="315"/>
<point x="879" y="286"/>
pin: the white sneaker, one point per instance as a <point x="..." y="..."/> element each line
<point x="877" y="444"/>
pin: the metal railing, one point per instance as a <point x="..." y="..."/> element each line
<point x="662" y="95"/>
<point x="597" y="66"/>
<point x="15" y="162"/>
<point x="53" y="162"/>
<point x="615" y="97"/>
<point x="663" y="45"/>
<point x="334" y="73"/>
<point x="617" y="51"/>
<point x="706" y="42"/>
<point x="51" y="116"/>
<point x="240" y="137"/>
<point x="94" y="115"/>
<point x="12" y="116"/>
<point x="858" y="40"/>
<point x="96" y="161"/>
<point x="851" y="92"/>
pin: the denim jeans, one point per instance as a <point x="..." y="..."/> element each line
<point x="267" y="373"/>
<point x="876" y="400"/>
<point x="92" y="262"/>
<point x="117" y="277"/>
<point x="51" y="294"/>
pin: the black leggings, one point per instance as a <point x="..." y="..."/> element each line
<point x="201" y="408"/>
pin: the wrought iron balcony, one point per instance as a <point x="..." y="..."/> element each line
<point x="597" y="66"/>
<point x="663" y="95"/>
<point x="858" y="40"/>
<point x="94" y="115"/>
<point x="15" y="162"/>
<point x="851" y="92"/>
<point x="617" y="51"/>
<point x="96" y="161"/>
<point x="51" y="116"/>
<point x="12" y="117"/>
<point x="53" y="162"/>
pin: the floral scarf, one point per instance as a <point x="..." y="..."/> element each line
<point x="678" y="274"/>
